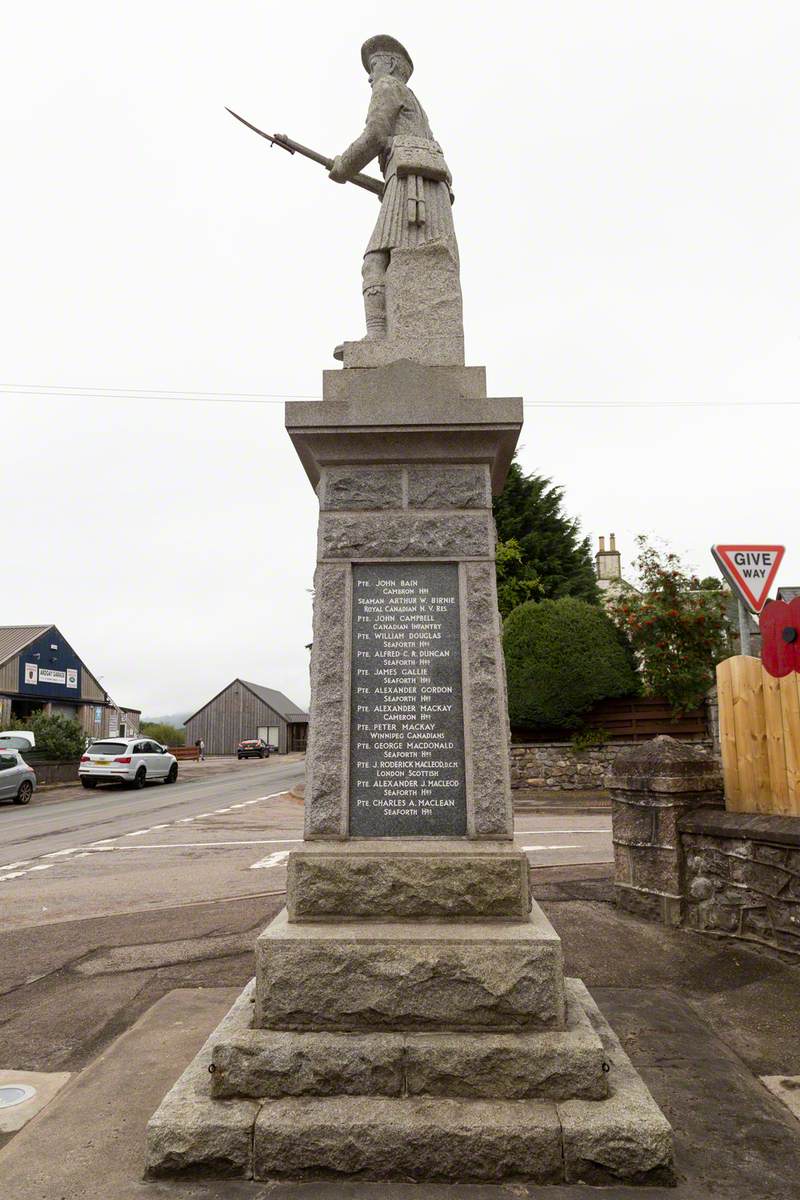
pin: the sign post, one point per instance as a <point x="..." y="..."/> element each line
<point x="750" y="570"/>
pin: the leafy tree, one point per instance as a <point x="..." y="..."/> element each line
<point x="541" y="552"/>
<point x="160" y="731"/>
<point x="516" y="582"/>
<point x="57" y="737"/>
<point x="677" y="625"/>
<point x="562" y="656"/>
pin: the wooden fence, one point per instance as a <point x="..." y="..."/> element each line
<point x="759" y="727"/>
<point x="635" y="719"/>
<point x="185" y="753"/>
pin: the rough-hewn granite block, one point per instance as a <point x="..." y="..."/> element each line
<point x="268" y="1064"/>
<point x="405" y="535"/>
<point x="401" y="880"/>
<point x="326" y="781"/>
<point x="624" y="1139"/>
<point x="548" y="1064"/>
<point x="191" y="1133"/>
<point x="408" y="1139"/>
<point x="485" y="706"/>
<point x="410" y="975"/>
<point x="361" y="487"/>
<point x="439" y="486"/>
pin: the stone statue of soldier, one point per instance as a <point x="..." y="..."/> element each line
<point x="415" y="216"/>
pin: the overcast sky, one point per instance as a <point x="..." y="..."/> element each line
<point x="627" y="211"/>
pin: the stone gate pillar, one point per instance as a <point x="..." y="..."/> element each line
<point x="652" y="785"/>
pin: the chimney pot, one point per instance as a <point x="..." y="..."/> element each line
<point x="613" y="541"/>
<point x="602" y="545"/>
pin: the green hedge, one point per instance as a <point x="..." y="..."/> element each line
<point x="562" y="656"/>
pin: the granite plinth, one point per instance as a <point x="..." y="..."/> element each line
<point x="551" y="1065"/>
<point x="502" y="1131"/>
<point x="410" y="975"/>
<point x="403" y="879"/>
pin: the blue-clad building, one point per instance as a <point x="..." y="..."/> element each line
<point x="40" y="671"/>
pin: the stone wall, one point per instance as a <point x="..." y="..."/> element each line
<point x="742" y="876"/>
<point x="559" y="765"/>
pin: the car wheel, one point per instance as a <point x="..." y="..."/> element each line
<point x="89" y="783"/>
<point x="139" y="778"/>
<point x="25" y="792"/>
<point x="172" y="774"/>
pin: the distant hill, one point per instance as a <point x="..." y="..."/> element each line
<point x="176" y="719"/>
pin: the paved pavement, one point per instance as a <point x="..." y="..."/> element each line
<point x="148" y="892"/>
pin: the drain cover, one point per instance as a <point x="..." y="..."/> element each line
<point x="15" y="1093"/>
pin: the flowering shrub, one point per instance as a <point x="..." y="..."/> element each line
<point x="677" y="626"/>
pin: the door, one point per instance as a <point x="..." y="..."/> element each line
<point x="157" y="763"/>
<point x="9" y="776"/>
<point x="269" y="734"/>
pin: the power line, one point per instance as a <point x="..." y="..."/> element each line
<point x="70" y="391"/>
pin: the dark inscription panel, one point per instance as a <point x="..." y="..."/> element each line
<point x="407" y="717"/>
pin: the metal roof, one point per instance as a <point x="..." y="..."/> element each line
<point x="14" y="638"/>
<point x="277" y="701"/>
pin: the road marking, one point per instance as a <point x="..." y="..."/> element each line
<point x="9" y="871"/>
<point x="572" y="846"/>
<point x="271" y="860"/>
<point x="573" y="832"/>
<point x="200" y="845"/>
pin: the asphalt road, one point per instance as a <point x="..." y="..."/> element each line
<point x="48" y="825"/>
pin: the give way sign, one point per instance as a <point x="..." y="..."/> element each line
<point x="750" y="570"/>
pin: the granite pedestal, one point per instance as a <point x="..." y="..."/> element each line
<point x="409" y="1018"/>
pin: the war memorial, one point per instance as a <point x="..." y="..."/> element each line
<point x="410" y="1018"/>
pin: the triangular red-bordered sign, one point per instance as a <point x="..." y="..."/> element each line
<point x="750" y="570"/>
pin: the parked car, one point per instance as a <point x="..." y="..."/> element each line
<point x="17" y="739"/>
<point x="253" y="748"/>
<point x="17" y="779"/>
<point x="134" y="761"/>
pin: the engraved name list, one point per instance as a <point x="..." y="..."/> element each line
<point x="407" y="723"/>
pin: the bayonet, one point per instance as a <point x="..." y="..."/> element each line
<point x="280" y="139"/>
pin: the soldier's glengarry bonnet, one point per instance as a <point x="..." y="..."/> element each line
<point x="383" y="43"/>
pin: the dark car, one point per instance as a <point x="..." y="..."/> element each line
<point x="253" y="748"/>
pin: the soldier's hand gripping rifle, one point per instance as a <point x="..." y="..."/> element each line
<point x="279" y="139"/>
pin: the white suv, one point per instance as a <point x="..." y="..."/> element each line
<point x="135" y="761"/>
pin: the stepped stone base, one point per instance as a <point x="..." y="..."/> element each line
<point x="421" y="975"/>
<point x="552" y="1065"/>
<point x="623" y="1138"/>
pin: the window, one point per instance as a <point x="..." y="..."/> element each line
<point x="15" y="743"/>
<point x="107" y="748"/>
<point x="7" y="761"/>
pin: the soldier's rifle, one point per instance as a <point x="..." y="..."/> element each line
<point x="280" y="139"/>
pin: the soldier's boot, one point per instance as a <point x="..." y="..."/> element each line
<point x="373" y="279"/>
<point x="375" y="310"/>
